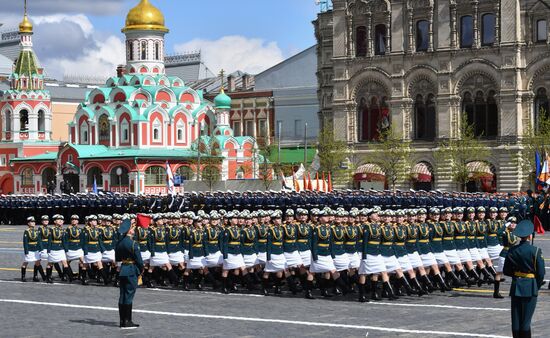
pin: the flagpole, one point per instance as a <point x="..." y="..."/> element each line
<point x="305" y="143"/>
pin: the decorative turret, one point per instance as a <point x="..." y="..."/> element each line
<point x="222" y="104"/>
<point x="145" y="32"/>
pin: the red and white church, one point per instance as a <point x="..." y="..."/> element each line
<point x="123" y="133"/>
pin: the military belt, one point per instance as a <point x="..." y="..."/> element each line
<point x="302" y="241"/>
<point x="436" y="239"/>
<point x="248" y="244"/>
<point x="197" y="245"/>
<point x="142" y="242"/>
<point x="56" y="242"/>
<point x="92" y="243"/>
<point x="460" y="237"/>
<point x="234" y="243"/>
<point x="213" y="242"/>
<point x="290" y="241"/>
<point x="33" y="243"/>
<point x="411" y="241"/>
<point x="400" y="244"/>
<point x="448" y="238"/>
<point x="387" y="243"/>
<point x="107" y="242"/>
<point x="350" y="243"/>
<point x="423" y="241"/>
<point x="471" y="237"/>
<point x="262" y="241"/>
<point x="524" y="275"/>
<point x="338" y="243"/>
<point x="277" y="243"/>
<point x="492" y="235"/>
<point x="175" y="242"/>
<point x="373" y="242"/>
<point x="323" y="245"/>
<point x="160" y="244"/>
<point x="128" y="261"/>
<point x="74" y="240"/>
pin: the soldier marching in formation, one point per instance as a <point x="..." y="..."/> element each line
<point x="375" y="252"/>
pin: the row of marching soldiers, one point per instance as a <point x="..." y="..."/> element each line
<point x="371" y="252"/>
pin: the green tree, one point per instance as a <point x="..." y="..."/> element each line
<point x="535" y="139"/>
<point x="332" y="154"/>
<point x="460" y="151"/>
<point x="393" y="154"/>
<point x="265" y="167"/>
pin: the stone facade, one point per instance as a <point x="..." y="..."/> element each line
<point x="421" y="63"/>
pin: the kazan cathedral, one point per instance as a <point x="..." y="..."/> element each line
<point x="124" y="133"/>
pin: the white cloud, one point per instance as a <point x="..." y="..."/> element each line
<point x="81" y="20"/>
<point x="235" y="52"/>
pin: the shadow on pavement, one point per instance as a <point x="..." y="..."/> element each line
<point x="94" y="322"/>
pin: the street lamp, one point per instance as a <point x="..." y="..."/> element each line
<point x="119" y="174"/>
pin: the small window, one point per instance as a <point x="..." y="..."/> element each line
<point x="249" y="128"/>
<point x="70" y="158"/>
<point x="422" y="35"/>
<point x="466" y="31"/>
<point x="180" y="131"/>
<point x="542" y="31"/>
<point x="488" y="29"/>
<point x="41" y="121"/>
<point x="24" y="120"/>
<point x="262" y="126"/>
<point x="2" y="160"/>
<point x="124" y="131"/>
<point x="84" y="133"/>
<point x="157" y="51"/>
<point x="131" y="49"/>
<point x="380" y="40"/>
<point x="156" y="131"/>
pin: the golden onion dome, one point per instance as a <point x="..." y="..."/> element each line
<point x="145" y="17"/>
<point x="25" y="26"/>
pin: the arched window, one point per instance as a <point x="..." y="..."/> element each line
<point x="240" y="173"/>
<point x="380" y="39"/>
<point x="131" y="50"/>
<point x="488" y="29"/>
<point x="180" y="126"/>
<point x="41" y="121"/>
<point x="155" y="176"/>
<point x="143" y="50"/>
<point x="422" y="36"/>
<point x="466" y="31"/>
<point x="27" y="177"/>
<point x="361" y="41"/>
<point x="542" y="31"/>
<point x="185" y="172"/>
<point x="156" y="130"/>
<point x="157" y="51"/>
<point x="7" y="126"/>
<point x="94" y="173"/>
<point x="541" y="106"/>
<point x="84" y="133"/>
<point x="373" y="118"/>
<point x="104" y="128"/>
<point x="424" y="117"/>
<point x="24" y="120"/>
<point x="124" y="131"/>
<point x="481" y="113"/>
<point x="122" y="180"/>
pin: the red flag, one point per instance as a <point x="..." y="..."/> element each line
<point x="295" y="182"/>
<point x="324" y="183"/>
<point x="143" y="220"/>
<point x="309" y="185"/>
<point x="329" y="182"/>
<point x="538" y="226"/>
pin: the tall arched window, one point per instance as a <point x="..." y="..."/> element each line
<point x="180" y="127"/>
<point x="104" y="128"/>
<point x="424" y="117"/>
<point x="155" y="176"/>
<point x="48" y="177"/>
<point x="143" y="50"/>
<point x="24" y="120"/>
<point x="542" y="31"/>
<point x="156" y="130"/>
<point x="7" y="126"/>
<point x="380" y="39"/>
<point x="27" y="177"/>
<point x="157" y="50"/>
<point x="541" y="105"/>
<point x="361" y="41"/>
<point x="122" y="180"/>
<point x="481" y="113"/>
<point x="41" y="121"/>
<point x="185" y="172"/>
<point x="422" y="35"/>
<point x="374" y="117"/>
<point x="131" y="49"/>
<point x="466" y="31"/>
<point x="84" y="133"/>
<point x="124" y="131"/>
<point x="488" y="29"/>
<point x="94" y="173"/>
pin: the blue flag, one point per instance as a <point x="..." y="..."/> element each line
<point x="94" y="187"/>
<point x="538" y="167"/>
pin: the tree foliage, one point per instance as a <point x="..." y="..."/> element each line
<point x="332" y="153"/>
<point x="393" y="154"/>
<point x="458" y="152"/>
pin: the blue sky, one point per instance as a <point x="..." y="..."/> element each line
<point x="83" y="36"/>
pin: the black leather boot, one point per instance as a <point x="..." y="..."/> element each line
<point x="121" y="315"/>
<point x="104" y="276"/>
<point x="186" y="286"/>
<point x="278" y="283"/>
<point x="265" y="286"/>
<point x="496" y="289"/>
<point x="419" y="290"/>
<point x="60" y="272"/>
<point x="487" y="278"/>
<point x="441" y="282"/>
<point x="389" y="291"/>
<point x="492" y="270"/>
<point x="172" y="277"/>
<point x="129" y="316"/>
<point x="68" y="274"/>
<point x="225" y="285"/>
<point x="374" y="294"/>
<point x="23" y="272"/>
<point x="35" y="274"/>
<point x="455" y="281"/>
<point x="308" y="287"/>
<point x="323" y="286"/>
<point x="291" y="282"/>
<point x="84" y="277"/>
<point x="340" y="287"/>
<point x="405" y="284"/>
<point x="462" y="273"/>
<point x="361" y="288"/>
<point x="49" y="275"/>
